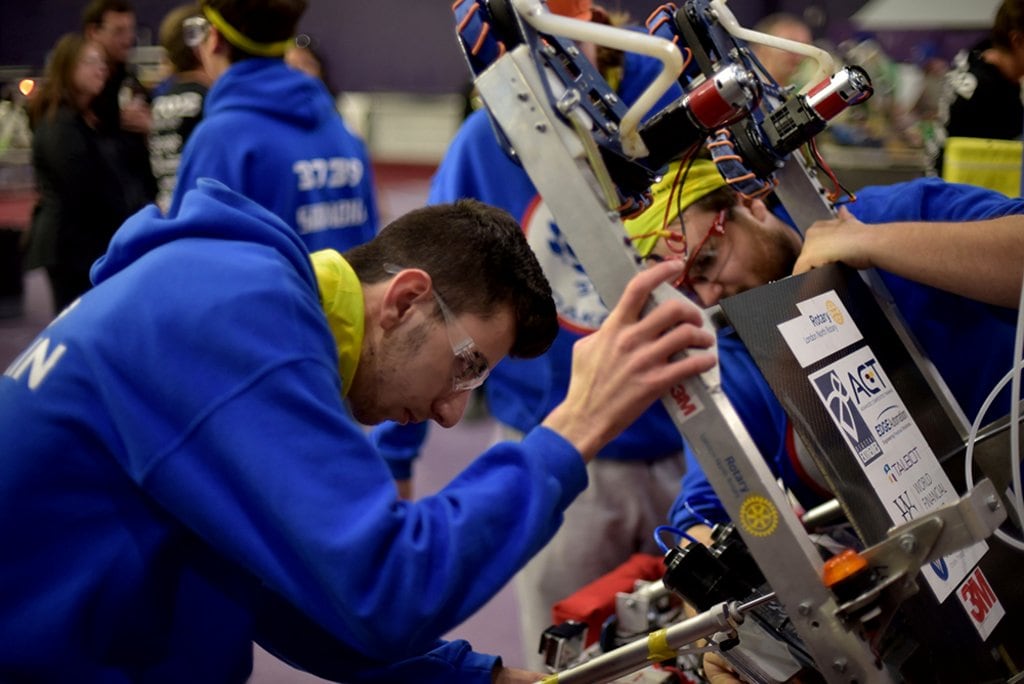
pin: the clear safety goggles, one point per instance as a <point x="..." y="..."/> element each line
<point x="471" y="366"/>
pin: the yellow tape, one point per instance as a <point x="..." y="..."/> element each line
<point x="658" y="648"/>
<point x="241" y="42"/>
<point x="550" y="679"/>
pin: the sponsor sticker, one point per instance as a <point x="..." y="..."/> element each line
<point x="980" y="603"/>
<point x="891" y="450"/>
<point x="822" y="328"/>
<point x="758" y="516"/>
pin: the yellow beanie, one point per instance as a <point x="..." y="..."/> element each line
<point x="702" y="179"/>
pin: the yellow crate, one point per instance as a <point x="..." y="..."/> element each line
<point x="985" y="162"/>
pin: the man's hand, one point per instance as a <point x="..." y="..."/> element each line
<point x="843" y="238"/>
<point x="508" y="675"/>
<point x="618" y="371"/>
<point x="717" y="670"/>
<point x="136" y="117"/>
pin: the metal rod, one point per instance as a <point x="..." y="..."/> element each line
<point x="655" y="647"/>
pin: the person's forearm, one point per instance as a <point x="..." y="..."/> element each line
<point x="983" y="260"/>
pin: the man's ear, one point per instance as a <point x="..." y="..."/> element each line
<point x="407" y="288"/>
<point x="219" y="44"/>
<point x="757" y="208"/>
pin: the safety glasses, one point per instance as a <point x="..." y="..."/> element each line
<point x="471" y="366"/>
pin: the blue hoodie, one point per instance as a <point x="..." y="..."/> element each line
<point x="949" y="327"/>
<point x="180" y="476"/>
<point x="273" y="134"/>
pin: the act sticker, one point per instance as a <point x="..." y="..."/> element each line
<point x="758" y="516"/>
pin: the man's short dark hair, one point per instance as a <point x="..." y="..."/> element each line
<point x="93" y="13"/>
<point x="261" y="21"/>
<point x="479" y="261"/>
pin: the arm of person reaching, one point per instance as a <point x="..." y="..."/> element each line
<point x="982" y="260"/>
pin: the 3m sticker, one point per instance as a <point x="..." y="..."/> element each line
<point x="980" y="603"/>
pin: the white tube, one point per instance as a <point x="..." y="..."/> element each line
<point x="826" y="66"/>
<point x="537" y="16"/>
<point x="969" y="455"/>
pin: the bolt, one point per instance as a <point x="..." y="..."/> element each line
<point x="573" y="50"/>
<point x="540" y="126"/>
<point x="992" y="502"/>
<point x="908" y="543"/>
<point x="804" y="608"/>
<point x="839" y="664"/>
<point x="611" y="98"/>
<point x="523" y="96"/>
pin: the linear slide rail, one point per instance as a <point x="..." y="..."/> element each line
<point x="568" y="179"/>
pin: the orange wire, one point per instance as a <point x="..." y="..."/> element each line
<point x="465" y="19"/>
<point x="480" y="41"/>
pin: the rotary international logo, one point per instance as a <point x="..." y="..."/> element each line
<point x="758" y="516"/>
<point x="835" y="312"/>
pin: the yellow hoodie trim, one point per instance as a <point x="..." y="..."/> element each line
<point x="341" y="296"/>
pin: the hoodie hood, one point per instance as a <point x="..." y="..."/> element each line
<point x="297" y="98"/>
<point x="211" y="211"/>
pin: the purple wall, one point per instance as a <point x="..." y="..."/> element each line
<point x="404" y="45"/>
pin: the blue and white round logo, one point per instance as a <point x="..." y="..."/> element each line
<point x="580" y="309"/>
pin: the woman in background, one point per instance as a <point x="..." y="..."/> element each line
<point x="80" y="200"/>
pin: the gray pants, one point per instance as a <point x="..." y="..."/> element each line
<point x="612" y="519"/>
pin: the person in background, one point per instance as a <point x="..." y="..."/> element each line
<point x="272" y="133"/>
<point x="125" y="118"/>
<point x="178" y="105"/>
<point x="304" y="57"/>
<point x="782" y="65"/>
<point x="633" y="479"/>
<point x="183" y="473"/>
<point x="80" y="199"/>
<point x="981" y="97"/>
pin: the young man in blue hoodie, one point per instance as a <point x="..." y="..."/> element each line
<point x="181" y="472"/>
<point x="273" y="133"/>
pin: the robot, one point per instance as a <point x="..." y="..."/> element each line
<point x="784" y="610"/>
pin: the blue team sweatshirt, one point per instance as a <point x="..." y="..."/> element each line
<point x="179" y="476"/>
<point x="273" y="134"/>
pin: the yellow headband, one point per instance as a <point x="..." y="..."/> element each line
<point x="241" y="42"/>
<point x="701" y="180"/>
